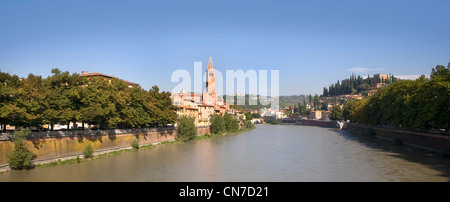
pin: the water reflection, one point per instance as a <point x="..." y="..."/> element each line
<point x="268" y="153"/>
<point x="404" y="156"/>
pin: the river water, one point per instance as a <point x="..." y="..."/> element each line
<point x="268" y="153"/>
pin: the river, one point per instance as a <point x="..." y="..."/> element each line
<point x="267" y="153"/>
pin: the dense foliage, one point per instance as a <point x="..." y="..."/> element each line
<point x="420" y="104"/>
<point x="217" y="124"/>
<point x="135" y="144"/>
<point x="354" y="85"/>
<point x="88" y="151"/>
<point x="248" y="125"/>
<point x="228" y="123"/>
<point x="186" y="129"/>
<point x="21" y="157"/>
<point x="62" y="98"/>
<point x="336" y="113"/>
<point x="284" y="101"/>
<point x="231" y="123"/>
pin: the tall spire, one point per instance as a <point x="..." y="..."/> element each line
<point x="210" y="65"/>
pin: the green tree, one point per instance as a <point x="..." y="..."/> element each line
<point x="336" y="113"/>
<point x="137" y="114"/>
<point x="21" y="157"/>
<point x="248" y="116"/>
<point x="419" y="104"/>
<point x="217" y="124"/>
<point x="186" y="129"/>
<point x="316" y="102"/>
<point x="248" y="125"/>
<point x="128" y="105"/>
<point x="354" y="110"/>
<point x="57" y="102"/>
<point x="325" y="91"/>
<point x="10" y="110"/>
<point x="354" y="85"/>
<point x="231" y="123"/>
<point x="324" y="106"/>
<point x="256" y="115"/>
<point x="438" y="104"/>
<point x="70" y="99"/>
<point x="165" y="110"/>
<point x="30" y="99"/>
<point x="98" y="103"/>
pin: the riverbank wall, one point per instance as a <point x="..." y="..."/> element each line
<point x="62" y="144"/>
<point x="431" y="142"/>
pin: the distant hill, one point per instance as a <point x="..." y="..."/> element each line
<point x="358" y="85"/>
<point x="284" y="101"/>
<point x="292" y="100"/>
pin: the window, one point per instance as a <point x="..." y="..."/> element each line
<point x="211" y="74"/>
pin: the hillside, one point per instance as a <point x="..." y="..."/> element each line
<point x="358" y="85"/>
<point x="284" y="101"/>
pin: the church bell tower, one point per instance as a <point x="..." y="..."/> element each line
<point x="209" y="97"/>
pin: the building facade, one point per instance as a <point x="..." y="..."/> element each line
<point x="201" y="106"/>
<point x="315" y="114"/>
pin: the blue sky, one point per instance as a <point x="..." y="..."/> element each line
<point x="311" y="43"/>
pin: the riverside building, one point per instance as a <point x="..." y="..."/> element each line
<point x="202" y="106"/>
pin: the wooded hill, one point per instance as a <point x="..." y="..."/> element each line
<point x="355" y="85"/>
<point x="423" y="103"/>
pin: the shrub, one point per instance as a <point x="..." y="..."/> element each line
<point x="248" y="125"/>
<point x="135" y="144"/>
<point x="21" y="157"/>
<point x="231" y="124"/>
<point x="186" y="129"/>
<point x="217" y="124"/>
<point x="272" y="121"/>
<point x="88" y="151"/>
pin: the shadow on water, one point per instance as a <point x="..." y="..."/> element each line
<point x="416" y="155"/>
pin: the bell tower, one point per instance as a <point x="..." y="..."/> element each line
<point x="209" y="97"/>
<point x="210" y="83"/>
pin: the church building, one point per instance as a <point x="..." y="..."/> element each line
<point x="201" y="106"/>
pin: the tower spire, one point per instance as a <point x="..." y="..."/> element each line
<point x="210" y="65"/>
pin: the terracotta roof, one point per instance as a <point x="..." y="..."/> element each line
<point x="206" y="105"/>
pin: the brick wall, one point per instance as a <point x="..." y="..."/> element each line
<point x="58" y="144"/>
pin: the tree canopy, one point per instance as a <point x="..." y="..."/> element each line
<point x="63" y="97"/>
<point x="355" y="85"/>
<point x="186" y="129"/>
<point x="420" y="104"/>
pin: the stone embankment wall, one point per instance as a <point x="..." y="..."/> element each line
<point x="431" y="142"/>
<point x="203" y="130"/>
<point x="60" y="144"/>
<point x="310" y="122"/>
